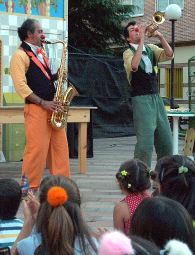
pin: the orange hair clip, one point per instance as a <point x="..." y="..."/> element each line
<point x="57" y="196"/>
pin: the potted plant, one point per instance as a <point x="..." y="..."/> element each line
<point x="54" y="3"/>
<point x="25" y="4"/>
<point x="42" y="7"/>
<point x="34" y="4"/>
<point x="7" y="7"/>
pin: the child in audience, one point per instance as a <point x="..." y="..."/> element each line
<point x="176" y="177"/>
<point x="142" y="246"/>
<point x="10" y="226"/>
<point x="116" y="243"/>
<point x="160" y="219"/>
<point x="134" y="181"/>
<point x="175" y="247"/>
<point x="60" y="228"/>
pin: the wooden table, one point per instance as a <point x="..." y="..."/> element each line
<point x="77" y="114"/>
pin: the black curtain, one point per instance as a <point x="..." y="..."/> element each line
<point x="101" y="81"/>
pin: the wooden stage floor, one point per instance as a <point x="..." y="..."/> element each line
<point x="98" y="186"/>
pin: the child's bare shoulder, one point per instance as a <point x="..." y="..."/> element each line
<point x="122" y="208"/>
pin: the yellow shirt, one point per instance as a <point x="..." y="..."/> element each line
<point x="128" y="55"/>
<point x="18" y="67"/>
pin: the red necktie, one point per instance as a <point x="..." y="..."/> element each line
<point x="39" y="51"/>
<point x="45" y="58"/>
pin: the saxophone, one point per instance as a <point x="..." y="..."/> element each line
<point x="63" y="97"/>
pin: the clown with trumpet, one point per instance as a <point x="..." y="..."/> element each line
<point x="140" y="61"/>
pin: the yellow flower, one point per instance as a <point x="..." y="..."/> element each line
<point x="124" y="173"/>
<point x="182" y="170"/>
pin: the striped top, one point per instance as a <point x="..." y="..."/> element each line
<point x="9" y="230"/>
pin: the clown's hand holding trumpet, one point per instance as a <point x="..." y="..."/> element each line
<point x="149" y="116"/>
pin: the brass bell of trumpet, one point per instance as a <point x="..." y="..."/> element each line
<point x="158" y="18"/>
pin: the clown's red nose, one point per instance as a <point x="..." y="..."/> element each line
<point x="43" y="37"/>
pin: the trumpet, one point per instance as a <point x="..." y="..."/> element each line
<point x="158" y="18"/>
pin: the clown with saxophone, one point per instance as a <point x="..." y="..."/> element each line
<point x="34" y="81"/>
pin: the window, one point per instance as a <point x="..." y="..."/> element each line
<point x="138" y="6"/>
<point x="162" y="4"/>
<point x="178" y="82"/>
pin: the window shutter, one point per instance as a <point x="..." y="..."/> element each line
<point x="178" y="82"/>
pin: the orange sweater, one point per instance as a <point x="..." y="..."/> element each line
<point x="18" y="67"/>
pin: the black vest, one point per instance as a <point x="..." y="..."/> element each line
<point x="144" y="83"/>
<point x="36" y="79"/>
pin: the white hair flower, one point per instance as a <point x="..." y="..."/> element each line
<point x="175" y="247"/>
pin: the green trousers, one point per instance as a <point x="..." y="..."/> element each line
<point x="152" y="128"/>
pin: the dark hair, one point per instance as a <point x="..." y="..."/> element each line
<point x="160" y="219"/>
<point x="126" y="32"/>
<point x="10" y="197"/>
<point x="143" y="246"/>
<point x="137" y="178"/>
<point x="27" y="26"/>
<point x="64" y="222"/>
<point x="175" y="184"/>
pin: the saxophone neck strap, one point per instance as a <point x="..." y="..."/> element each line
<point x="38" y="63"/>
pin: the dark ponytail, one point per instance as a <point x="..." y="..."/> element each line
<point x="27" y="26"/>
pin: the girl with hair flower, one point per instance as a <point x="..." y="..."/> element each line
<point x="59" y="226"/>
<point x="134" y="181"/>
<point x="175" y="178"/>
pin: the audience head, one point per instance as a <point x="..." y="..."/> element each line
<point x="59" y="217"/>
<point x="10" y="197"/>
<point x="143" y="246"/>
<point x="160" y="219"/>
<point x="28" y="25"/>
<point x="176" y="176"/>
<point x="175" y="247"/>
<point x="133" y="176"/>
<point x="115" y="243"/>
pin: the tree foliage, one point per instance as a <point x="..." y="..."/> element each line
<point x="95" y="25"/>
